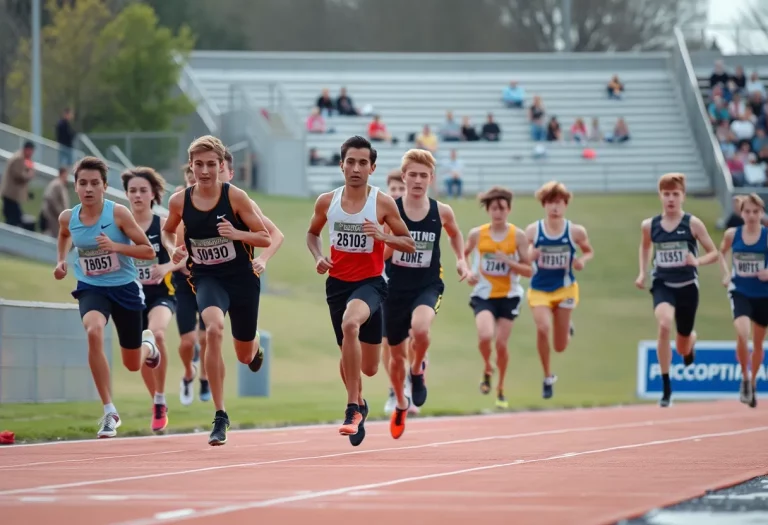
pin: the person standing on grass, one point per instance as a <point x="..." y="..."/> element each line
<point x="674" y="237"/>
<point x="355" y="288"/>
<point x="500" y="257"/>
<point x="221" y="230"/>
<point x="145" y="188"/>
<point x="747" y="285"/>
<point x="108" y="240"/>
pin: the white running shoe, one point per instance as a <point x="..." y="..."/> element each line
<point x="186" y="392"/>
<point x="391" y="403"/>
<point x="108" y="425"/>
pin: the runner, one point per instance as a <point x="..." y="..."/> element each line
<point x="553" y="292"/>
<point x="220" y="231"/>
<point x="673" y="234"/>
<point x="500" y="257"/>
<point x="107" y="240"/>
<point x="416" y="280"/>
<point x="190" y="324"/>
<point x="748" y="289"/>
<point x="355" y="288"/>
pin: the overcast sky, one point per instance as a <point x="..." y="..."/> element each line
<point x="727" y="13"/>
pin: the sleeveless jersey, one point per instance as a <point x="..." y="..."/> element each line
<point x="495" y="279"/>
<point x="554" y="267"/>
<point x="209" y="252"/>
<point x="670" y="251"/>
<point x="95" y="266"/>
<point x="355" y="255"/>
<point x="748" y="260"/>
<point x="165" y="287"/>
<point x="415" y="271"/>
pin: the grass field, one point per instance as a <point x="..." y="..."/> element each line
<point x="598" y="368"/>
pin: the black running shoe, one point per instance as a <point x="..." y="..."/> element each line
<point x="418" y="389"/>
<point x="358" y="438"/>
<point x="220" y="426"/>
<point x="690" y="358"/>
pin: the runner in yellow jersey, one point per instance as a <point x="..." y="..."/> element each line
<point x="500" y="257"/>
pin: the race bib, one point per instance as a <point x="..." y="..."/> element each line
<point x="212" y="251"/>
<point x="145" y="270"/>
<point x="98" y="262"/>
<point x="671" y="254"/>
<point x="421" y="258"/>
<point x="554" y="257"/>
<point x="492" y="266"/>
<point x="748" y="264"/>
<point x="350" y="238"/>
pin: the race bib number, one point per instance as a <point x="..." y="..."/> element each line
<point x="494" y="267"/>
<point x="212" y="251"/>
<point x="350" y="238"/>
<point x="145" y="270"/>
<point x="748" y="264"/>
<point x="98" y="262"/>
<point x="421" y="258"/>
<point x="554" y="257"/>
<point x="671" y="254"/>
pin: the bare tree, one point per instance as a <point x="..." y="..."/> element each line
<point x="753" y="31"/>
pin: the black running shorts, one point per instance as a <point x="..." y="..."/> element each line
<point x="756" y="308"/>
<point x="119" y="302"/>
<point x="400" y="305"/>
<point x="372" y="291"/>
<point x="685" y="301"/>
<point x="188" y="318"/>
<point x="500" y="307"/>
<point x="237" y="295"/>
<point x="155" y="300"/>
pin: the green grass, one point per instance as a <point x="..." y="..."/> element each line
<point x="598" y="368"/>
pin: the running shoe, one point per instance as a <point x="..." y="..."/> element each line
<point x="153" y="359"/>
<point x="358" y="438"/>
<point x="352" y="420"/>
<point x="159" y="417"/>
<point x="108" y="425"/>
<point x="186" y="394"/>
<point x="205" y="390"/>
<point x="389" y="406"/>
<point x="418" y="389"/>
<point x="397" y="421"/>
<point x="547" y="390"/>
<point x="218" y="435"/>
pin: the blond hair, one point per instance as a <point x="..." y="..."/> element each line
<point x="553" y="191"/>
<point x="672" y="181"/>
<point x="205" y="144"/>
<point x="752" y="198"/>
<point x="418" y="156"/>
<point x="497" y="193"/>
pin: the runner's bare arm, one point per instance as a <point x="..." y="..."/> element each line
<point x="581" y="238"/>
<point x="523" y="266"/>
<point x="699" y="230"/>
<point x="274" y="233"/>
<point x="141" y="247"/>
<point x="168" y="233"/>
<point x="170" y="249"/>
<point x="448" y="218"/>
<point x="64" y="241"/>
<point x="725" y="247"/>
<point x="316" y="225"/>
<point x="471" y="243"/>
<point x="257" y="236"/>
<point x="530" y="235"/>
<point x="400" y="239"/>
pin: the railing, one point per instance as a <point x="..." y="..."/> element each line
<point x="206" y="108"/>
<point x="121" y="157"/>
<point x="90" y="146"/>
<point x="162" y="150"/>
<point x="731" y="39"/>
<point x="708" y="146"/>
<point x="278" y="103"/>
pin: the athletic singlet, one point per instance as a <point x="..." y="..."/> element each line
<point x="209" y="252"/>
<point x="670" y="252"/>
<point x="165" y="287"/>
<point x="554" y="267"/>
<point x="418" y="270"/>
<point x="748" y="261"/>
<point x="95" y="266"/>
<point x="355" y="255"/>
<point x="495" y="278"/>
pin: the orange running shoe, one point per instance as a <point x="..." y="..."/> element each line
<point x="159" y="418"/>
<point x="352" y="420"/>
<point x="397" y="421"/>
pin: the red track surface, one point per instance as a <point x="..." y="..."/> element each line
<point x="586" y="466"/>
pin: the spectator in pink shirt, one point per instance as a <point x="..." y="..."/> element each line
<point x="316" y="122"/>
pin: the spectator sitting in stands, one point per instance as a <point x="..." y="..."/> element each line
<point x="491" y="131"/>
<point x="450" y="130"/>
<point x="377" y="131"/>
<point x="315" y="159"/>
<point x="736" y="167"/>
<point x="620" y="132"/>
<point x="739" y="79"/>
<point x="743" y="127"/>
<point x="726" y="138"/>
<point x="316" y="122"/>
<point x="762" y="155"/>
<point x="615" y="88"/>
<point x="325" y="104"/>
<point x="760" y="140"/>
<point x="754" y="172"/>
<point x="55" y="201"/>
<point x="719" y="76"/>
<point x="762" y="120"/>
<point x="427" y="140"/>
<point x="736" y="107"/>
<point x="595" y="133"/>
<point x="718" y="110"/>
<point x="468" y="131"/>
<point x="454" y="169"/>
<point x="579" y="131"/>
<point x="536" y="117"/>
<point x="513" y="95"/>
<point x="344" y="104"/>
<point x="554" y="133"/>
<point x="755" y="88"/>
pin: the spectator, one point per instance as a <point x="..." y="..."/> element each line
<point x="316" y="122"/>
<point x="468" y="131"/>
<point x="719" y="77"/>
<point x="762" y="121"/>
<point x="454" y="170"/>
<point x="754" y="172"/>
<point x="65" y="136"/>
<point x="762" y="155"/>
<point x="760" y="140"/>
<point x="755" y="88"/>
<point x="344" y="104"/>
<point x="536" y="117"/>
<point x="450" y="131"/>
<point x="14" y="187"/>
<point x="554" y="133"/>
<point x="739" y="79"/>
<point x="736" y="107"/>
<point x="718" y="110"/>
<point x="615" y="88"/>
<point x="513" y="95"/>
<point x="736" y="167"/>
<point x="491" y="131"/>
<point x="743" y="127"/>
<point x="579" y="131"/>
<point x="377" y="130"/>
<point x="55" y="201"/>
<point x="315" y="159"/>
<point x="427" y="140"/>
<point x="595" y="133"/>
<point x="726" y="138"/>
<point x="620" y="132"/>
<point x="325" y="104"/>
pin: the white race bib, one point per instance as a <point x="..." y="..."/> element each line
<point x="671" y="254"/>
<point x="212" y="251"/>
<point x="98" y="262"/>
<point x="421" y="258"/>
<point x="493" y="267"/>
<point x="748" y="264"/>
<point x="351" y="238"/>
<point x="554" y="257"/>
<point x="145" y="270"/>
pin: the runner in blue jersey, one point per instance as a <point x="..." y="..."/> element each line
<point x="107" y="239"/>
<point x="748" y="289"/>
